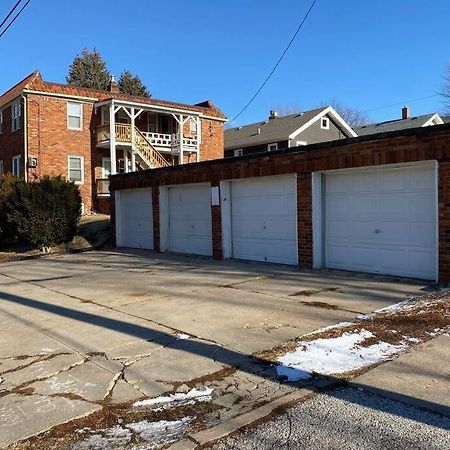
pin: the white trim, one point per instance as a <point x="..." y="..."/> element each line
<point x="80" y="117"/>
<point x="272" y="144"/>
<point x="66" y="96"/>
<point x="327" y="111"/>
<point x="318" y="223"/>
<point x="435" y="119"/>
<point x="325" y="123"/>
<point x="16" y="115"/>
<point x="82" y="168"/>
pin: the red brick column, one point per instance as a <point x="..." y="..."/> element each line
<point x="304" y="219"/>
<point x="444" y="221"/>
<point x="156" y="225"/>
<point x="216" y="228"/>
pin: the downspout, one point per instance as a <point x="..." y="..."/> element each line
<point x="25" y="138"/>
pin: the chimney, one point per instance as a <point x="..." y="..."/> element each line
<point x="273" y="115"/>
<point x="405" y="112"/>
<point x="112" y="85"/>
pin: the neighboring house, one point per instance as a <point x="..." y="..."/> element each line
<point x="405" y="122"/>
<point x="86" y="135"/>
<point x="309" y="127"/>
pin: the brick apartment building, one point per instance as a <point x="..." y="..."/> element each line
<point x="86" y="135"/>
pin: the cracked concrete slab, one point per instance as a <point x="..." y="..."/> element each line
<point x="88" y="381"/>
<point x="25" y="416"/>
<point x="43" y="368"/>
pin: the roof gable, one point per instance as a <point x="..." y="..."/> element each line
<point x="280" y="128"/>
<point x="18" y="88"/>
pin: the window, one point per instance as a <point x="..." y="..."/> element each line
<point x="106" y="167"/>
<point x="76" y="169"/>
<point x="122" y="165"/>
<point x="152" y="123"/>
<point x="193" y="126"/>
<point x="15" y="164"/>
<point x="238" y="152"/>
<point x="105" y="115"/>
<point x="271" y="147"/>
<point x="1" y="121"/>
<point x="325" y="123"/>
<point x="1" y="168"/>
<point x="16" y="113"/>
<point x="74" y="116"/>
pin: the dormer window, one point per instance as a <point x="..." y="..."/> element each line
<point x="325" y="123"/>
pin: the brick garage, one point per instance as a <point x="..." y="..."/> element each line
<point x="408" y="146"/>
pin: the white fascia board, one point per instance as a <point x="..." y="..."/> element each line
<point x="53" y="94"/>
<point x="331" y="111"/>
<point x="435" y="119"/>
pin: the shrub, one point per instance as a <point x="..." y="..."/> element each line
<point x="8" y="231"/>
<point x="44" y="213"/>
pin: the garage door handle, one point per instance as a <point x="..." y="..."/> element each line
<point x="377" y="231"/>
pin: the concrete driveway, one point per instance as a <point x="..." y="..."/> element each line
<point x="79" y="333"/>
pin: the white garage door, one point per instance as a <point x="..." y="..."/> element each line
<point x="134" y="210"/>
<point x="190" y="224"/>
<point x="382" y="221"/>
<point x="264" y="219"/>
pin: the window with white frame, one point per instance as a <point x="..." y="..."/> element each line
<point x="273" y="146"/>
<point x="74" y="115"/>
<point x="16" y="113"/>
<point x="105" y="115"/>
<point x="1" y="168"/>
<point x="106" y="167"/>
<point x="325" y="123"/>
<point x="1" y="121"/>
<point x="75" y="169"/>
<point x="238" y="152"/>
<point x="15" y="165"/>
<point x="192" y="125"/>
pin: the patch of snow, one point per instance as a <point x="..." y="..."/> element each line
<point x="337" y="355"/>
<point x="107" y="439"/>
<point x="183" y="336"/>
<point x="161" y="432"/>
<point x="331" y="327"/>
<point x="1" y="380"/>
<point x="188" y="398"/>
<point x="406" y="304"/>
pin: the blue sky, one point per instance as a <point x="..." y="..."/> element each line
<point x="366" y="54"/>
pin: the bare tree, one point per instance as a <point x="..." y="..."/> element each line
<point x="353" y="116"/>
<point x="445" y="92"/>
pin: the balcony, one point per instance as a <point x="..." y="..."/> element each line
<point x="165" y="143"/>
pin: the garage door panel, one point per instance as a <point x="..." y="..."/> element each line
<point x="136" y="218"/>
<point x="190" y="223"/>
<point x="384" y="223"/>
<point x="264" y="219"/>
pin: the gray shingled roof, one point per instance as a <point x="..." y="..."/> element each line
<point x="394" y="125"/>
<point x="446" y="119"/>
<point x="273" y="130"/>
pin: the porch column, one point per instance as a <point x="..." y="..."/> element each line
<point x="125" y="159"/>
<point x="133" y="139"/>
<point x="181" y="125"/>
<point x="112" y="138"/>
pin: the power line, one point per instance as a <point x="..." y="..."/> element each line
<point x="401" y="103"/>
<point x="9" y="14"/>
<point x="14" y="18"/>
<point x="277" y="63"/>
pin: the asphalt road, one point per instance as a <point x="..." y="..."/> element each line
<point x="347" y="418"/>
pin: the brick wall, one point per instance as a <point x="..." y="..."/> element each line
<point x="211" y="146"/>
<point x="430" y="143"/>
<point x="11" y="142"/>
<point x="50" y="140"/>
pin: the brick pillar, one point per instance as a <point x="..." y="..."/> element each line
<point x="444" y="221"/>
<point x="156" y="226"/>
<point x="216" y="215"/>
<point x="304" y="220"/>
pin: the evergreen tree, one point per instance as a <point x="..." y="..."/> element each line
<point x="132" y="85"/>
<point x="88" y="70"/>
